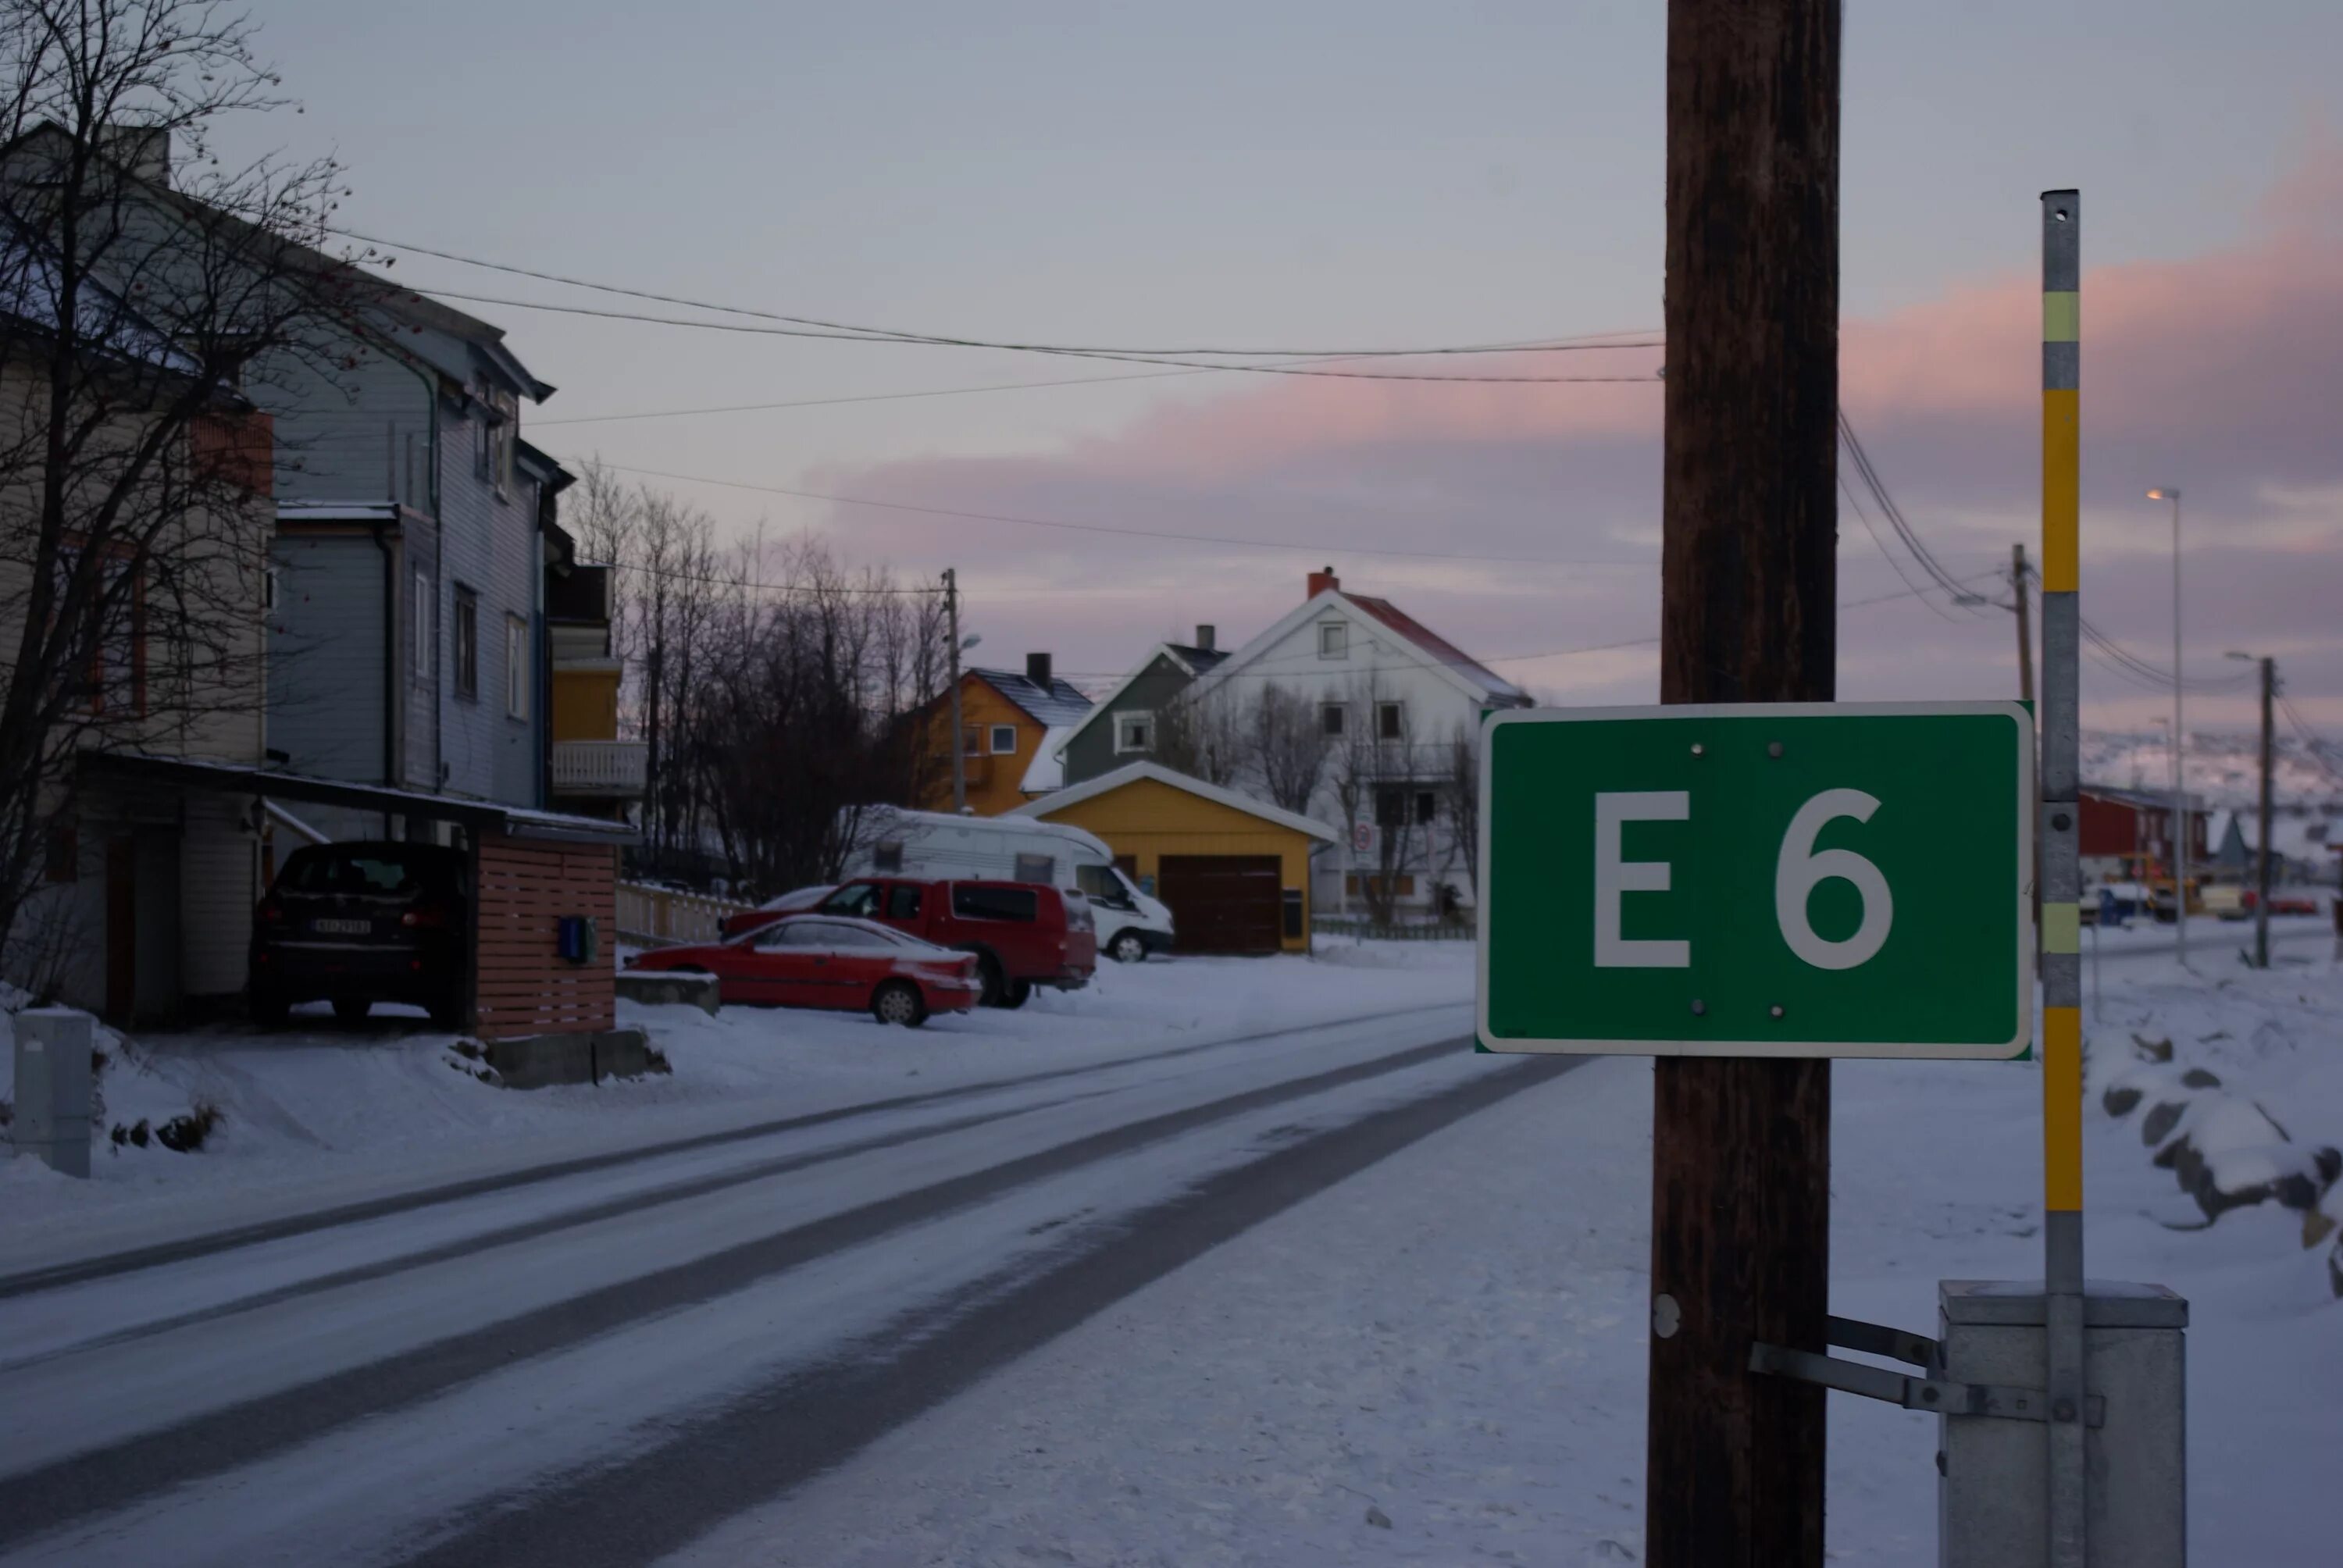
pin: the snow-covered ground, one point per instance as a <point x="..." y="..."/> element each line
<point x="1452" y="1338"/>
<point x="1455" y="1339"/>
<point x="325" y="1112"/>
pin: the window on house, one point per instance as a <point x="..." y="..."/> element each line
<point x="887" y="855"/>
<point x="468" y="643"/>
<point x="116" y="681"/>
<point x="1334" y="639"/>
<point x="1134" y="731"/>
<point x="972" y="740"/>
<point x="1427" y="807"/>
<point x="515" y="666"/>
<point x="1330" y="718"/>
<point x="419" y="627"/>
<point x="1391" y="806"/>
<point x="1388" y="721"/>
<point x="1004" y="740"/>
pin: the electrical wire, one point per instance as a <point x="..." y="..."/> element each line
<point x="1113" y="356"/>
<point x="1884" y="554"/>
<point x="1303" y="548"/>
<point x="1641" y="336"/>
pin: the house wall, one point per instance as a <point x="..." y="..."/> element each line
<point x="490" y="546"/>
<point x="326" y="639"/>
<point x="359" y="432"/>
<point x="1378" y="665"/>
<point x="1091" y="752"/>
<point x="993" y="782"/>
<point x="1147" y="819"/>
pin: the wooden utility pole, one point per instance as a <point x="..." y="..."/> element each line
<point x="2017" y="585"/>
<point x="959" y="744"/>
<point x="1740" y="1148"/>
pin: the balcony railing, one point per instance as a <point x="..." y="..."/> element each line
<point x="609" y="768"/>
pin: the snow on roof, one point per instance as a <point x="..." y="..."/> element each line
<point x="1197" y="660"/>
<point x="1132" y="772"/>
<point x="1047" y="771"/>
<point x="1061" y="702"/>
<point x="1433" y="643"/>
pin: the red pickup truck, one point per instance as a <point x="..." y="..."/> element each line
<point x="1023" y="934"/>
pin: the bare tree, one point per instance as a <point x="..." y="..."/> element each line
<point x="1288" y="747"/>
<point x="1376" y="779"/>
<point x="1458" y="792"/>
<point x="146" y="293"/>
<point x="1202" y="735"/>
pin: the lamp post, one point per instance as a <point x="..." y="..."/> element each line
<point x="2262" y="845"/>
<point x="2179" y="777"/>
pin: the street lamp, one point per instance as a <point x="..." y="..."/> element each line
<point x="2262" y="854"/>
<point x="2179" y="785"/>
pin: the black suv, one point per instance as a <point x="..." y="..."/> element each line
<point x="363" y="922"/>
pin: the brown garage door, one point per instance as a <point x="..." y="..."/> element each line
<point x="1222" y="903"/>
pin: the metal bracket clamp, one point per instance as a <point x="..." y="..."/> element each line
<point x="1940" y="1395"/>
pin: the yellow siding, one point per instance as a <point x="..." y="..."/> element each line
<point x="993" y="782"/>
<point x="584" y="704"/>
<point x="1147" y="820"/>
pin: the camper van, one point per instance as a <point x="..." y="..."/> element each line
<point x="938" y="845"/>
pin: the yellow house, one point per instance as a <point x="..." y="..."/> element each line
<point x="1011" y="726"/>
<point x="1235" y="871"/>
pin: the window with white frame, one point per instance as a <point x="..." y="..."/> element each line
<point x="1332" y="716"/>
<point x="515" y="666"/>
<point x="1004" y="740"/>
<point x="1134" y="731"/>
<point x="1334" y="639"/>
<point x="1391" y="721"/>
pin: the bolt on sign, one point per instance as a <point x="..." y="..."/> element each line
<point x="1759" y="879"/>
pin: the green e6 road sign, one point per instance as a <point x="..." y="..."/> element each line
<point x="1759" y="879"/>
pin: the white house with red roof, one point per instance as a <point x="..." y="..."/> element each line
<point x="1390" y="698"/>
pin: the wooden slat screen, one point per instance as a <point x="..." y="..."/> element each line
<point x="523" y="985"/>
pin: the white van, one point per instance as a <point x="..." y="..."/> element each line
<point x="899" y="843"/>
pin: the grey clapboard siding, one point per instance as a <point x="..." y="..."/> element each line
<point x="355" y="434"/>
<point x="1091" y="752"/>
<point x="490" y="545"/>
<point x="326" y="640"/>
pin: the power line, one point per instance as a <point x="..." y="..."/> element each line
<point x="1641" y="336"/>
<point x="867" y="397"/>
<point x="1897" y="566"/>
<point x="1114" y="356"/>
<point x="1301" y="548"/>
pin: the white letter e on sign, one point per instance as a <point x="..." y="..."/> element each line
<point x="1614" y="875"/>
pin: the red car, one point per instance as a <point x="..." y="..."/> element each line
<point x="822" y="961"/>
<point x="1023" y="934"/>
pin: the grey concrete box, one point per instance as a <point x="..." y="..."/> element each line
<point x="52" y="1073"/>
<point x="1993" y="1501"/>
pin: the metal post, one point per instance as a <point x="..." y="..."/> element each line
<point x="2179" y="772"/>
<point x="2262" y="869"/>
<point x="2017" y="587"/>
<point x="2062" y="1015"/>
<point x="1740" y="1148"/>
<point x="952" y="634"/>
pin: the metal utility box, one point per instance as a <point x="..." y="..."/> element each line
<point x="53" y="1080"/>
<point x="1994" y="1499"/>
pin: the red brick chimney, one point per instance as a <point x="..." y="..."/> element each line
<point x="1320" y="582"/>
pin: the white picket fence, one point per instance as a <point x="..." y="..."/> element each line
<point x="661" y="917"/>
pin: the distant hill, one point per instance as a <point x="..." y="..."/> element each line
<point x="2224" y="770"/>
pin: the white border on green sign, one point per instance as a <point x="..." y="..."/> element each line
<point x="2024" y="782"/>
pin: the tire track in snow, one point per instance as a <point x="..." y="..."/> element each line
<point x="36" y="1501"/>
<point x="763" y="1445"/>
<point x="131" y="1259"/>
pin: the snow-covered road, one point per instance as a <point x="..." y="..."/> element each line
<point x="599" y="1359"/>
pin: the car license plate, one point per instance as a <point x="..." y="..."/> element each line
<point x="341" y="927"/>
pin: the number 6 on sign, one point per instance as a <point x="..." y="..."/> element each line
<point x="1800" y="868"/>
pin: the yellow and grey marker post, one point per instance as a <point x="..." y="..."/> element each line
<point x="2062" y="880"/>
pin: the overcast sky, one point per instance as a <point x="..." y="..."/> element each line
<point x="1307" y="175"/>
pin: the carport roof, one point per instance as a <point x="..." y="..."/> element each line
<point x="517" y="821"/>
